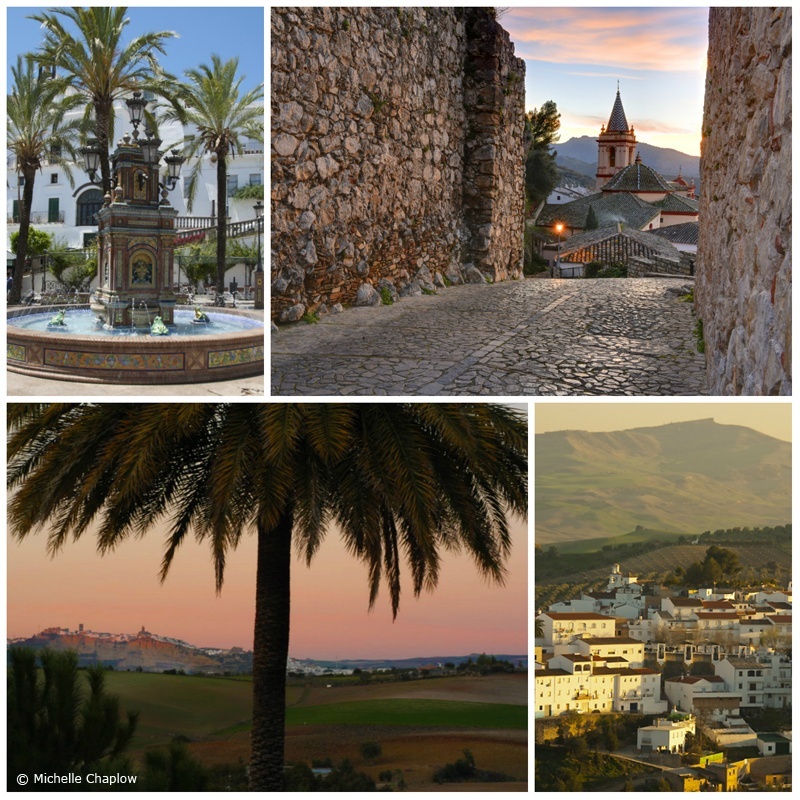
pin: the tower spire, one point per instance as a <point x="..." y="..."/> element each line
<point x="617" y="121"/>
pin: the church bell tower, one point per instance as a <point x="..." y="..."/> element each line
<point x="616" y="145"/>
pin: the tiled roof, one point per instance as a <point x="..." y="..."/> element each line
<point x="637" y="178"/>
<point x="726" y="604"/>
<point x="609" y="209"/>
<point x="678" y="204"/>
<point x="549" y="673"/>
<point x="697" y="678"/>
<point x="685" y="602"/>
<point x="617" y="121"/>
<point x="572" y="615"/>
<point x="685" y="233"/>
<point x="611" y="244"/>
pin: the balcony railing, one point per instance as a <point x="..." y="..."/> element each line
<point x="188" y="223"/>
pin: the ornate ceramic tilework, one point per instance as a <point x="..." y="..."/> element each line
<point x="228" y="358"/>
<point x="103" y="361"/>
<point x="16" y="352"/>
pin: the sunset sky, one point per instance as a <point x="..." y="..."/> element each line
<point x="575" y="56"/>
<point x="120" y="593"/>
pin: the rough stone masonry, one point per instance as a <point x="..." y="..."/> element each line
<point x="744" y="260"/>
<point x="397" y="154"/>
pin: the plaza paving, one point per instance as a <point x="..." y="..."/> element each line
<point x="533" y="337"/>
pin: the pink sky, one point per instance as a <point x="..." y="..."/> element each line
<point x="575" y="56"/>
<point x="120" y="593"/>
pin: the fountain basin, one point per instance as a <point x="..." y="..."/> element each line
<point x="195" y="354"/>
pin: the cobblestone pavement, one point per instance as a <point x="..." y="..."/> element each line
<point x="535" y="337"/>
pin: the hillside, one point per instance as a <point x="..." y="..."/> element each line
<point x="680" y="478"/>
<point x="580" y="154"/>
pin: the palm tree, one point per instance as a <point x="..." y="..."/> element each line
<point x="99" y="67"/>
<point x="36" y="132"/>
<point x="211" y="102"/>
<point x="408" y="479"/>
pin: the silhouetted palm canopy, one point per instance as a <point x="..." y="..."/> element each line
<point x="401" y="481"/>
<point x="90" y="58"/>
<point x="211" y="103"/>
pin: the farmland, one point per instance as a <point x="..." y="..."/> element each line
<point x="421" y="725"/>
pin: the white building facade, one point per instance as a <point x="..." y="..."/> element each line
<point x="67" y="212"/>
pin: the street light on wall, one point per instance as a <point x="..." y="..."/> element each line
<point x="559" y="228"/>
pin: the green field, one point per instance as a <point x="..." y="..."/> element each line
<point x="180" y="705"/>
<point x="208" y="708"/>
<point x="412" y="712"/>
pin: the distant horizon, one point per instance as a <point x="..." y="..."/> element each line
<point x="477" y="651"/>
<point x="770" y="419"/>
<point x="121" y="591"/>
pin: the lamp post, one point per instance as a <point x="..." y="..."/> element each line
<point x="259" y="301"/>
<point x="559" y="228"/>
<point x="149" y="147"/>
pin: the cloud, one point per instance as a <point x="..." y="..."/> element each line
<point x="627" y="77"/>
<point x="658" y="39"/>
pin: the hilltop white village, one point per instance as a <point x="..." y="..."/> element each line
<point x="725" y="651"/>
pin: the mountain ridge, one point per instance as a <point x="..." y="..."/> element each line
<point x="580" y="154"/>
<point x="684" y="476"/>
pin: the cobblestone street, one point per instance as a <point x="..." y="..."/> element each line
<point x="532" y="337"/>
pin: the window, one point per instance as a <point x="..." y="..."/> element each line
<point x="752" y="699"/>
<point x="255" y="179"/>
<point x="52" y="210"/>
<point x="15" y="212"/>
<point x="20" y="181"/>
<point x="752" y="687"/>
<point x="233" y="183"/>
<point x="89" y="203"/>
<point x="53" y="177"/>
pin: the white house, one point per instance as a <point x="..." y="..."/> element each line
<point x="706" y="694"/>
<point x="562" y="627"/>
<point x="574" y="682"/>
<point x="666" y="735"/>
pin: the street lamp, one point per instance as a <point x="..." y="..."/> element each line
<point x="91" y="159"/>
<point x="559" y="228"/>
<point x="259" y="301"/>
<point x="148" y="146"/>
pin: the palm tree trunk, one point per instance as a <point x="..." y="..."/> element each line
<point x="22" y="242"/>
<point x="102" y="113"/>
<point x="222" y="192"/>
<point x="270" y="652"/>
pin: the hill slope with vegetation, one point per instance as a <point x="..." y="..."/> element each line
<point x="678" y="478"/>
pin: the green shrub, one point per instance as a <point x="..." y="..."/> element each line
<point x="386" y="296"/>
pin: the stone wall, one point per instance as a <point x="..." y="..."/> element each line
<point x="743" y="292"/>
<point x="640" y="267"/>
<point x="397" y="154"/>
